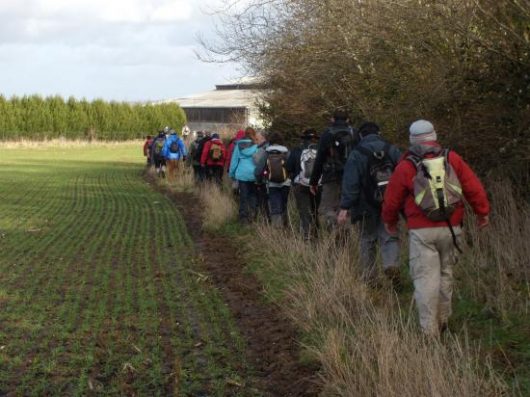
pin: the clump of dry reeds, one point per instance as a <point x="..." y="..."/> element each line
<point x="496" y="265"/>
<point x="219" y="206"/>
<point x="367" y="344"/>
<point x="182" y="181"/>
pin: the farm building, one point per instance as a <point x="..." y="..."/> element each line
<point x="228" y="107"/>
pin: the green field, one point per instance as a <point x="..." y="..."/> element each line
<point x="99" y="292"/>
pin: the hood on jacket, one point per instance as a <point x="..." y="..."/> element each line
<point x="246" y="147"/>
<point x="239" y="135"/>
<point x="276" y="148"/>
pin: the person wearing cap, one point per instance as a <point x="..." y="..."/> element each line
<point x="306" y="202"/>
<point x="432" y="251"/>
<point x="213" y="159"/>
<point x="365" y="213"/>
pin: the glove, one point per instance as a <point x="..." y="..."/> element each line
<point x="313" y="190"/>
<point x="392" y="230"/>
<point x="483" y="221"/>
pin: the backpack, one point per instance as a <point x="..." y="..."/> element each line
<point x="342" y="143"/>
<point x="307" y="162"/>
<point x="200" y="147"/>
<point x="437" y="189"/>
<point x="275" y="170"/>
<point x="380" y="168"/>
<point x="216" y="151"/>
<point x="174" y="147"/>
<point x="159" y="145"/>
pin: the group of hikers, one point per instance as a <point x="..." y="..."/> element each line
<point x="355" y="173"/>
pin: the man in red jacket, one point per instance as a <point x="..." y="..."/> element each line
<point x="213" y="158"/>
<point x="432" y="243"/>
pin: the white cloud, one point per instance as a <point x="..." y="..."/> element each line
<point x="116" y="49"/>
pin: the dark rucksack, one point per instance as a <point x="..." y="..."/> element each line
<point x="174" y="147"/>
<point x="275" y="169"/>
<point x="216" y="151"/>
<point x="200" y="147"/>
<point x="379" y="169"/>
<point x="343" y="140"/>
<point x="158" y="146"/>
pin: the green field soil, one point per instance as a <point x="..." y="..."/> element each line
<point x="99" y="290"/>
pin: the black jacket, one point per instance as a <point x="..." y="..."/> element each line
<point x="321" y="168"/>
<point x="356" y="177"/>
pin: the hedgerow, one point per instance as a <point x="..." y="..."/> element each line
<point x="35" y="117"/>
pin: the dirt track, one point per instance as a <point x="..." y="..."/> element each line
<point x="271" y="339"/>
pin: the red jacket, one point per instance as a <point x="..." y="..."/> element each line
<point x="399" y="195"/>
<point x="205" y="155"/>
<point x="147" y="144"/>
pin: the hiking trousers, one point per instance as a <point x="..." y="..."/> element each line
<point x="215" y="173"/>
<point x="307" y="205"/>
<point x="248" y="201"/>
<point x="172" y="169"/>
<point x="278" y="198"/>
<point x="432" y="255"/>
<point x="329" y="204"/>
<point x="372" y="232"/>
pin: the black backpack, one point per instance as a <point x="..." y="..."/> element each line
<point x="200" y="147"/>
<point x="275" y="168"/>
<point x="174" y="147"/>
<point x="380" y="167"/>
<point x="343" y="140"/>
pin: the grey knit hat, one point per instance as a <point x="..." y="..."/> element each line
<point x="422" y="131"/>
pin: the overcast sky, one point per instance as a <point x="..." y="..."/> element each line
<point x="112" y="49"/>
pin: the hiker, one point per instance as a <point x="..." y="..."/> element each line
<point x="242" y="168"/>
<point x="365" y="178"/>
<point x="193" y="158"/>
<point x="198" y="154"/>
<point x="213" y="159"/>
<point x="300" y="166"/>
<point x="334" y="147"/>
<point x="174" y="151"/>
<point x="429" y="185"/>
<point x="147" y="148"/>
<point x="156" y="150"/>
<point x="230" y="150"/>
<point x="261" y="185"/>
<point x="271" y="171"/>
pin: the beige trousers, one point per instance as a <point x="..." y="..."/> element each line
<point x="172" y="169"/>
<point x="432" y="255"/>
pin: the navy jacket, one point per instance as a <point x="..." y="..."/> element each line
<point x="356" y="176"/>
<point x="326" y="140"/>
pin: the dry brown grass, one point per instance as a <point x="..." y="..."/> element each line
<point x="367" y="341"/>
<point x="219" y="206"/>
<point x="182" y="182"/>
<point x="367" y="344"/>
<point x="496" y="265"/>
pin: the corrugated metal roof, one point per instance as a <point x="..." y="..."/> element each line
<point x="220" y="99"/>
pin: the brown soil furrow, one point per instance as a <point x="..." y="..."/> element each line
<point x="272" y="347"/>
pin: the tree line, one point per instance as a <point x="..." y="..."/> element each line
<point x="464" y="64"/>
<point x="35" y="117"/>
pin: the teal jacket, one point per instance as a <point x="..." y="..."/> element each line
<point x="242" y="165"/>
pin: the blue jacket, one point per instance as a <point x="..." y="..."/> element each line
<point x="356" y="177"/>
<point x="242" y="165"/>
<point x="182" y="152"/>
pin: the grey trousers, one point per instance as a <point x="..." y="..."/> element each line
<point x="432" y="255"/>
<point x="329" y="205"/>
<point x="372" y="232"/>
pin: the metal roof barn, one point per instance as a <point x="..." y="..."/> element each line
<point x="225" y="109"/>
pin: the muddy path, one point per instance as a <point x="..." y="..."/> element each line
<point x="271" y="339"/>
